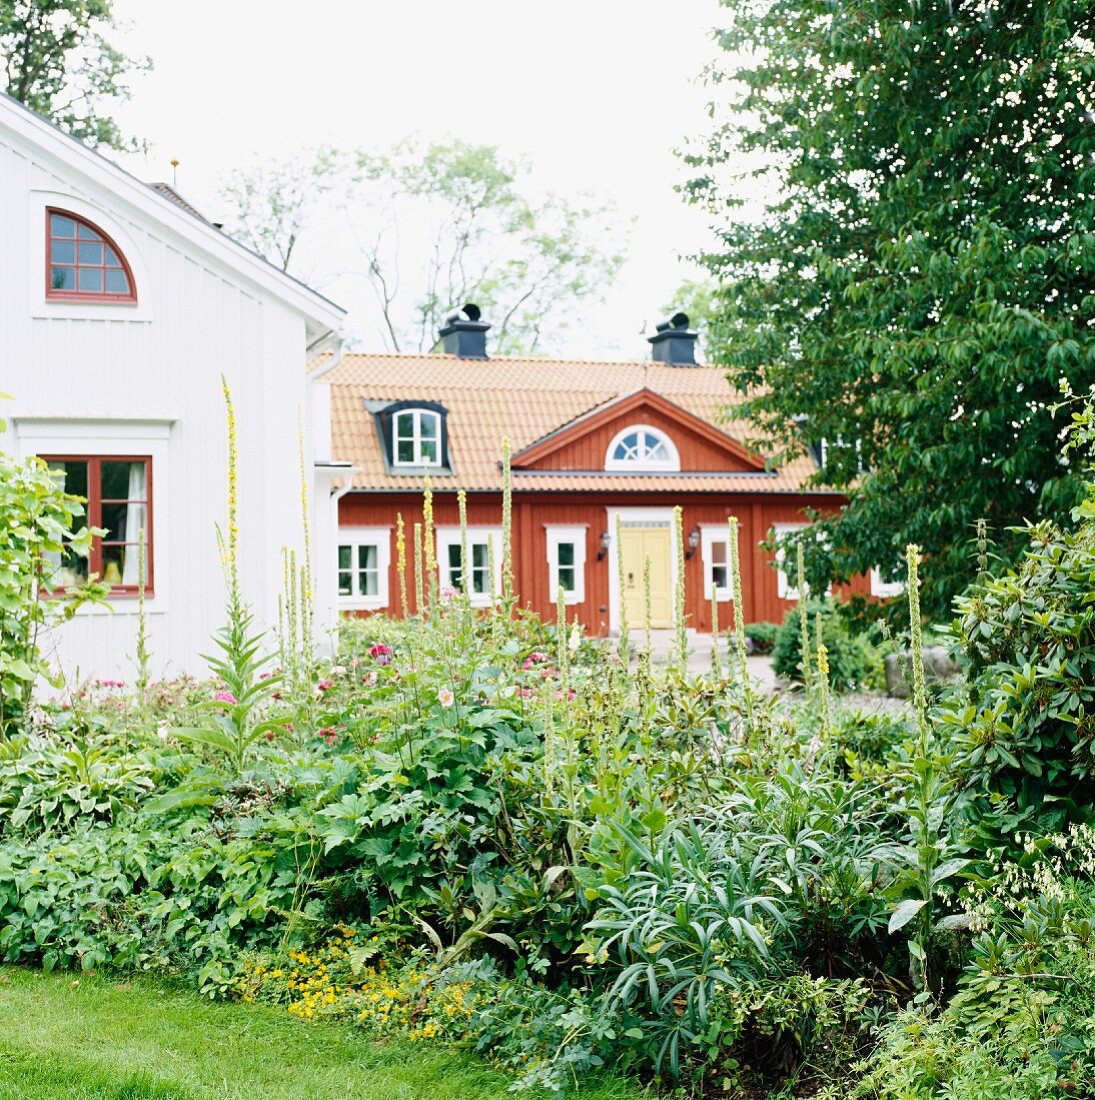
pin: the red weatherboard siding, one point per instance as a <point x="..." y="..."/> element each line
<point x="588" y="452"/>
<point x="532" y="511"/>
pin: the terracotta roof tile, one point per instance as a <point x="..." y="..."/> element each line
<point x="525" y="399"/>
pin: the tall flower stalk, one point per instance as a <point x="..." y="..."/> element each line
<point x="307" y="594"/>
<point x="143" y="654"/>
<point x="648" y="607"/>
<point x="562" y="652"/>
<point x="466" y="571"/>
<point x="739" y="614"/>
<point x="547" y="709"/>
<point x="716" y="663"/>
<point x="236" y="710"/>
<point x="823" y="690"/>
<point x="507" y="525"/>
<point x="805" y="663"/>
<point x="230" y="539"/>
<point x="920" y="695"/>
<point x="927" y="800"/>
<point x="429" y="559"/>
<point x="419" y="580"/>
<point x="401" y="563"/>
<point x="623" y="647"/>
<point x="982" y="549"/>
<point x="678" y="591"/>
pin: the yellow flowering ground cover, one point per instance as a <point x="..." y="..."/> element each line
<point x="346" y="980"/>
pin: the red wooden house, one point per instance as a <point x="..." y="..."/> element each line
<point x="591" y="443"/>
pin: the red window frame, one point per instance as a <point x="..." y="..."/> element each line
<point x="94" y="509"/>
<point x="55" y="294"/>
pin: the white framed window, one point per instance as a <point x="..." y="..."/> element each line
<point x="642" y="448"/>
<point x="364" y="558"/>
<point x="484" y="543"/>
<point x="715" y="551"/>
<point x="148" y="494"/>
<point x="885" y="590"/>
<point x="566" y="555"/>
<point x="416" y="438"/>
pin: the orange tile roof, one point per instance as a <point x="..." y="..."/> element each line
<point x="525" y="399"/>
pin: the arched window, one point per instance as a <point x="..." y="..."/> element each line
<point x="642" y="448"/>
<point x="416" y="438"/>
<point x="84" y="264"/>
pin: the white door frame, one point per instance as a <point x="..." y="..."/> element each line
<point x="653" y="517"/>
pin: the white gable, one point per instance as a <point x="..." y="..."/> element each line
<point x="104" y="378"/>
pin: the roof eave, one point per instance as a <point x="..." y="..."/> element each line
<point x="218" y="245"/>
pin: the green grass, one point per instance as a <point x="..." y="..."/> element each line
<point x="64" y="1037"/>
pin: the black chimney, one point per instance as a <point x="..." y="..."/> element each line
<point x="674" y="342"/>
<point x="463" y="334"/>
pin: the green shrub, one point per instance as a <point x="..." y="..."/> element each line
<point x="762" y="635"/>
<point x="854" y="662"/>
<point x="1027" y="727"/>
<point x="1022" y="1024"/>
<point x="712" y="929"/>
<point x="38" y="525"/>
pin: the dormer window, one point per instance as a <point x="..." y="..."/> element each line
<point x="84" y="264"/>
<point x="642" y="449"/>
<point x="416" y="438"/>
<point x="413" y="434"/>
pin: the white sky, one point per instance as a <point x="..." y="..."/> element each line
<point x="598" y="93"/>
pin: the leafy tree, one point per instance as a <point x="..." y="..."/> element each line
<point x="276" y="201"/>
<point x="430" y="227"/>
<point x="921" y="279"/>
<point x="55" y="58"/>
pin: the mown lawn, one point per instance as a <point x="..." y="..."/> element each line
<point x="64" y="1037"/>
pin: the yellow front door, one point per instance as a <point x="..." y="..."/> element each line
<point x="639" y="545"/>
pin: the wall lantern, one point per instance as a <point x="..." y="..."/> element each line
<point x="693" y="542"/>
<point x="605" y="542"/>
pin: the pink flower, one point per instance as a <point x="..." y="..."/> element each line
<point x="329" y="734"/>
<point x="381" y="653"/>
<point x="325" y="685"/>
<point x="225" y="697"/>
<point x="338" y="670"/>
<point x="448" y="593"/>
<point x="445" y="697"/>
<point x="111" y="683"/>
<point x="533" y="659"/>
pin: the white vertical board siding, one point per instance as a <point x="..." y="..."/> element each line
<point x="147" y="380"/>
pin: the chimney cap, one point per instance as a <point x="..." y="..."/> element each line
<point x="677" y="321"/>
<point x="467" y="313"/>
<point x="674" y="343"/>
<point x="464" y="334"/>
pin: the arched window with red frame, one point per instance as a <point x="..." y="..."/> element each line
<point x="84" y="264"/>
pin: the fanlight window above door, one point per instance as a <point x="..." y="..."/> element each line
<point x="641" y="448"/>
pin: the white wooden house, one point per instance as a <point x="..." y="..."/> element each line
<point x="120" y="309"/>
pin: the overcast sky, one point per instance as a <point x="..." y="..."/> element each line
<point x="598" y="93"/>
